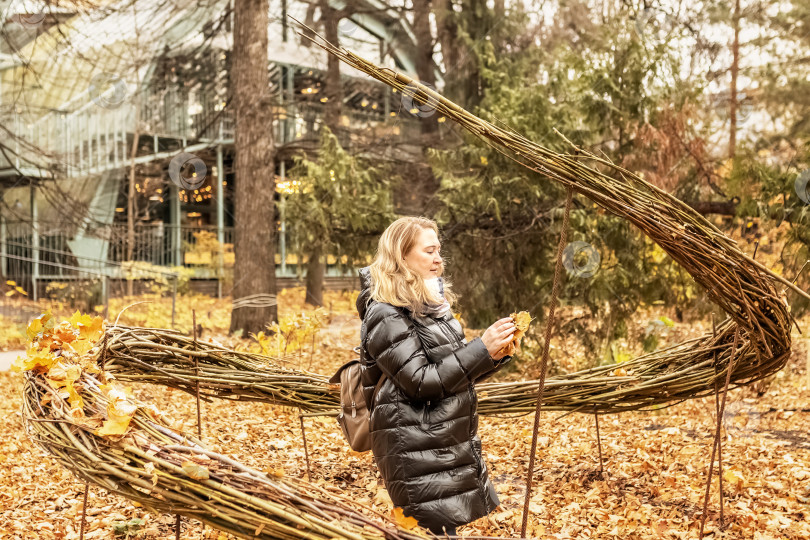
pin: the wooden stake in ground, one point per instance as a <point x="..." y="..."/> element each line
<point x="544" y="362"/>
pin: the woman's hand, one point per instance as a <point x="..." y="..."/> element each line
<point x="497" y="336"/>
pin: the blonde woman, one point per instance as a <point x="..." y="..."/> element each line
<point x="424" y="420"/>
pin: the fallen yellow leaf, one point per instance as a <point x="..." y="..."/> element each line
<point x="197" y="472"/>
<point x="734" y="479"/>
<point x="406" y="522"/>
<point x="119" y="412"/>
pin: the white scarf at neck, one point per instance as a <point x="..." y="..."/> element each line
<point x="437" y="287"/>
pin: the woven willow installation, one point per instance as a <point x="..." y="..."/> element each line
<point x="170" y="472"/>
<point x="74" y="409"/>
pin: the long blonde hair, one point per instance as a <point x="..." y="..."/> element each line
<point x="392" y="281"/>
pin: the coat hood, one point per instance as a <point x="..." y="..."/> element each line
<point x="365" y="292"/>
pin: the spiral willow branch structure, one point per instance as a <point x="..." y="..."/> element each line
<point x="73" y="410"/>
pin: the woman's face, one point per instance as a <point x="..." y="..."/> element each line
<point x="424" y="258"/>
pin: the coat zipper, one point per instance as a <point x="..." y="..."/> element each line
<point x="447" y="330"/>
<point x="472" y="444"/>
<point x="426" y="415"/>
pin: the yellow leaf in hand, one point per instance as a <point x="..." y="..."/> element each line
<point x="522" y="321"/>
<point x="406" y="522"/>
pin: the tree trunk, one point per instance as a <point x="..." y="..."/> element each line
<point x="425" y="66"/>
<point x="423" y="185"/>
<point x="315" y="275"/>
<point x="309" y="20"/>
<point x="735" y="68"/>
<point x="461" y="72"/>
<point x="333" y="92"/>
<point x="448" y="38"/>
<point x="254" y="207"/>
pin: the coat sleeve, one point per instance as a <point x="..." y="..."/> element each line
<point x="498" y="365"/>
<point x="393" y="342"/>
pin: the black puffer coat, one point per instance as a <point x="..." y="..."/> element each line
<point x="424" y="422"/>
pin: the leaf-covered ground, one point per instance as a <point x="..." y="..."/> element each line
<point x="655" y="463"/>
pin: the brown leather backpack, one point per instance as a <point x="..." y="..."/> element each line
<point x="354" y="411"/>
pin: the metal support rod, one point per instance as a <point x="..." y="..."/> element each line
<point x="719" y="441"/>
<point x="544" y="361"/>
<point x="599" y="444"/>
<point x="304" y="436"/>
<point x="717" y="432"/>
<point x="719" y="449"/>
<point x="84" y="511"/>
<point x="104" y="355"/>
